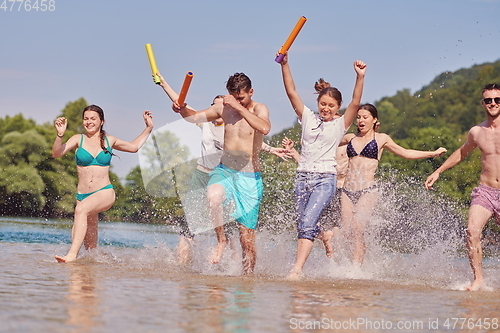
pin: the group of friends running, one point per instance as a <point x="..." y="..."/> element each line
<point x="333" y="165"/>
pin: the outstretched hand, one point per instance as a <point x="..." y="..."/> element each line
<point x="440" y="151"/>
<point x="61" y="124"/>
<point x="289" y="144"/>
<point x="431" y="180"/>
<point x="280" y="152"/>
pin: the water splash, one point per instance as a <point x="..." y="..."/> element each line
<point x="415" y="237"/>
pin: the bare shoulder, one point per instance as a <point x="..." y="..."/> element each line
<point x="260" y="109"/>
<point x="74" y="140"/>
<point x="259" y="106"/>
<point x="111" y="139"/>
<point x="475" y="131"/>
<point x="382" y="137"/>
<point x="384" y="140"/>
<point x="479" y="127"/>
<point x="349" y="136"/>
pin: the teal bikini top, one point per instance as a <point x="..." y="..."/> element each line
<point x="84" y="158"/>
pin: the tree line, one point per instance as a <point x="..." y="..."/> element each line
<point x="34" y="184"/>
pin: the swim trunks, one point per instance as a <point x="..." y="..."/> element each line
<point x="487" y="197"/>
<point x="245" y="189"/>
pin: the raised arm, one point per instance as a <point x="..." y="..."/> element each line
<point x="189" y="114"/>
<point x="291" y="92"/>
<point x="458" y="156"/>
<point x="136" y="144"/>
<point x="58" y="148"/>
<point x="352" y="108"/>
<point x="166" y="87"/>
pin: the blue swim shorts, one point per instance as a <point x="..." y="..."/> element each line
<point x="245" y="189"/>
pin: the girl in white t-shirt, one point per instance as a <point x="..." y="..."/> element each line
<point x="316" y="179"/>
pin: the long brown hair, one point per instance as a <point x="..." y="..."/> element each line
<point x="102" y="135"/>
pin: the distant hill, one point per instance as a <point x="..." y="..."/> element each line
<point x="451" y="99"/>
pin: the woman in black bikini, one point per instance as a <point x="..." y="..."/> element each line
<point x="359" y="194"/>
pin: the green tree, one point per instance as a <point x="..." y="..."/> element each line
<point x="135" y="204"/>
<point x="21" y="185"/>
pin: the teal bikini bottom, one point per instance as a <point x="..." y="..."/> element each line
<point x="81" y="196"/>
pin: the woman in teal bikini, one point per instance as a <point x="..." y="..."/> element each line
<point x="94" y="151"/>
<point x="359" y="194"/>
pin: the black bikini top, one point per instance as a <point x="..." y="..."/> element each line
<point x="370" y="150"/>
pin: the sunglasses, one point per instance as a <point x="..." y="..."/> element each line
<point x="490" y="100"/>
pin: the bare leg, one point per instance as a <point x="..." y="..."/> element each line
<point x="304" y="248"/>
<point x="183" y="249"/>
<point x="357" y="216"/>
<point x="326" y="236"/>
<point x="359" y="248"/>
<point x="92" y="205"/>
<point x="91" y="236"/>
<point x="215" y="197"/>
<point x="78" y="233"/>
<point x="478" y="217"/>
<point x="221" y="245"/>
<point x="247" y="241"/>
<point x="347" y="209"/>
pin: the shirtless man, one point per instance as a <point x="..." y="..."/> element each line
<point x="486" y="197"/>
<point x="237" y="178"/>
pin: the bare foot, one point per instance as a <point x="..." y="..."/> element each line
<point x="327" y="241"/>
<point x="476" y="285"/>
<point x="295" y="276"/>
<point x="217" y="252"/>
<point x="247" y="271"/>
<point x="65" y="259"/>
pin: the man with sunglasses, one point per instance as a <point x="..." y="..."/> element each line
<point x="486" y="197"/>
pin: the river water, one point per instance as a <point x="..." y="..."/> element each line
<point x="132" y="283"/>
